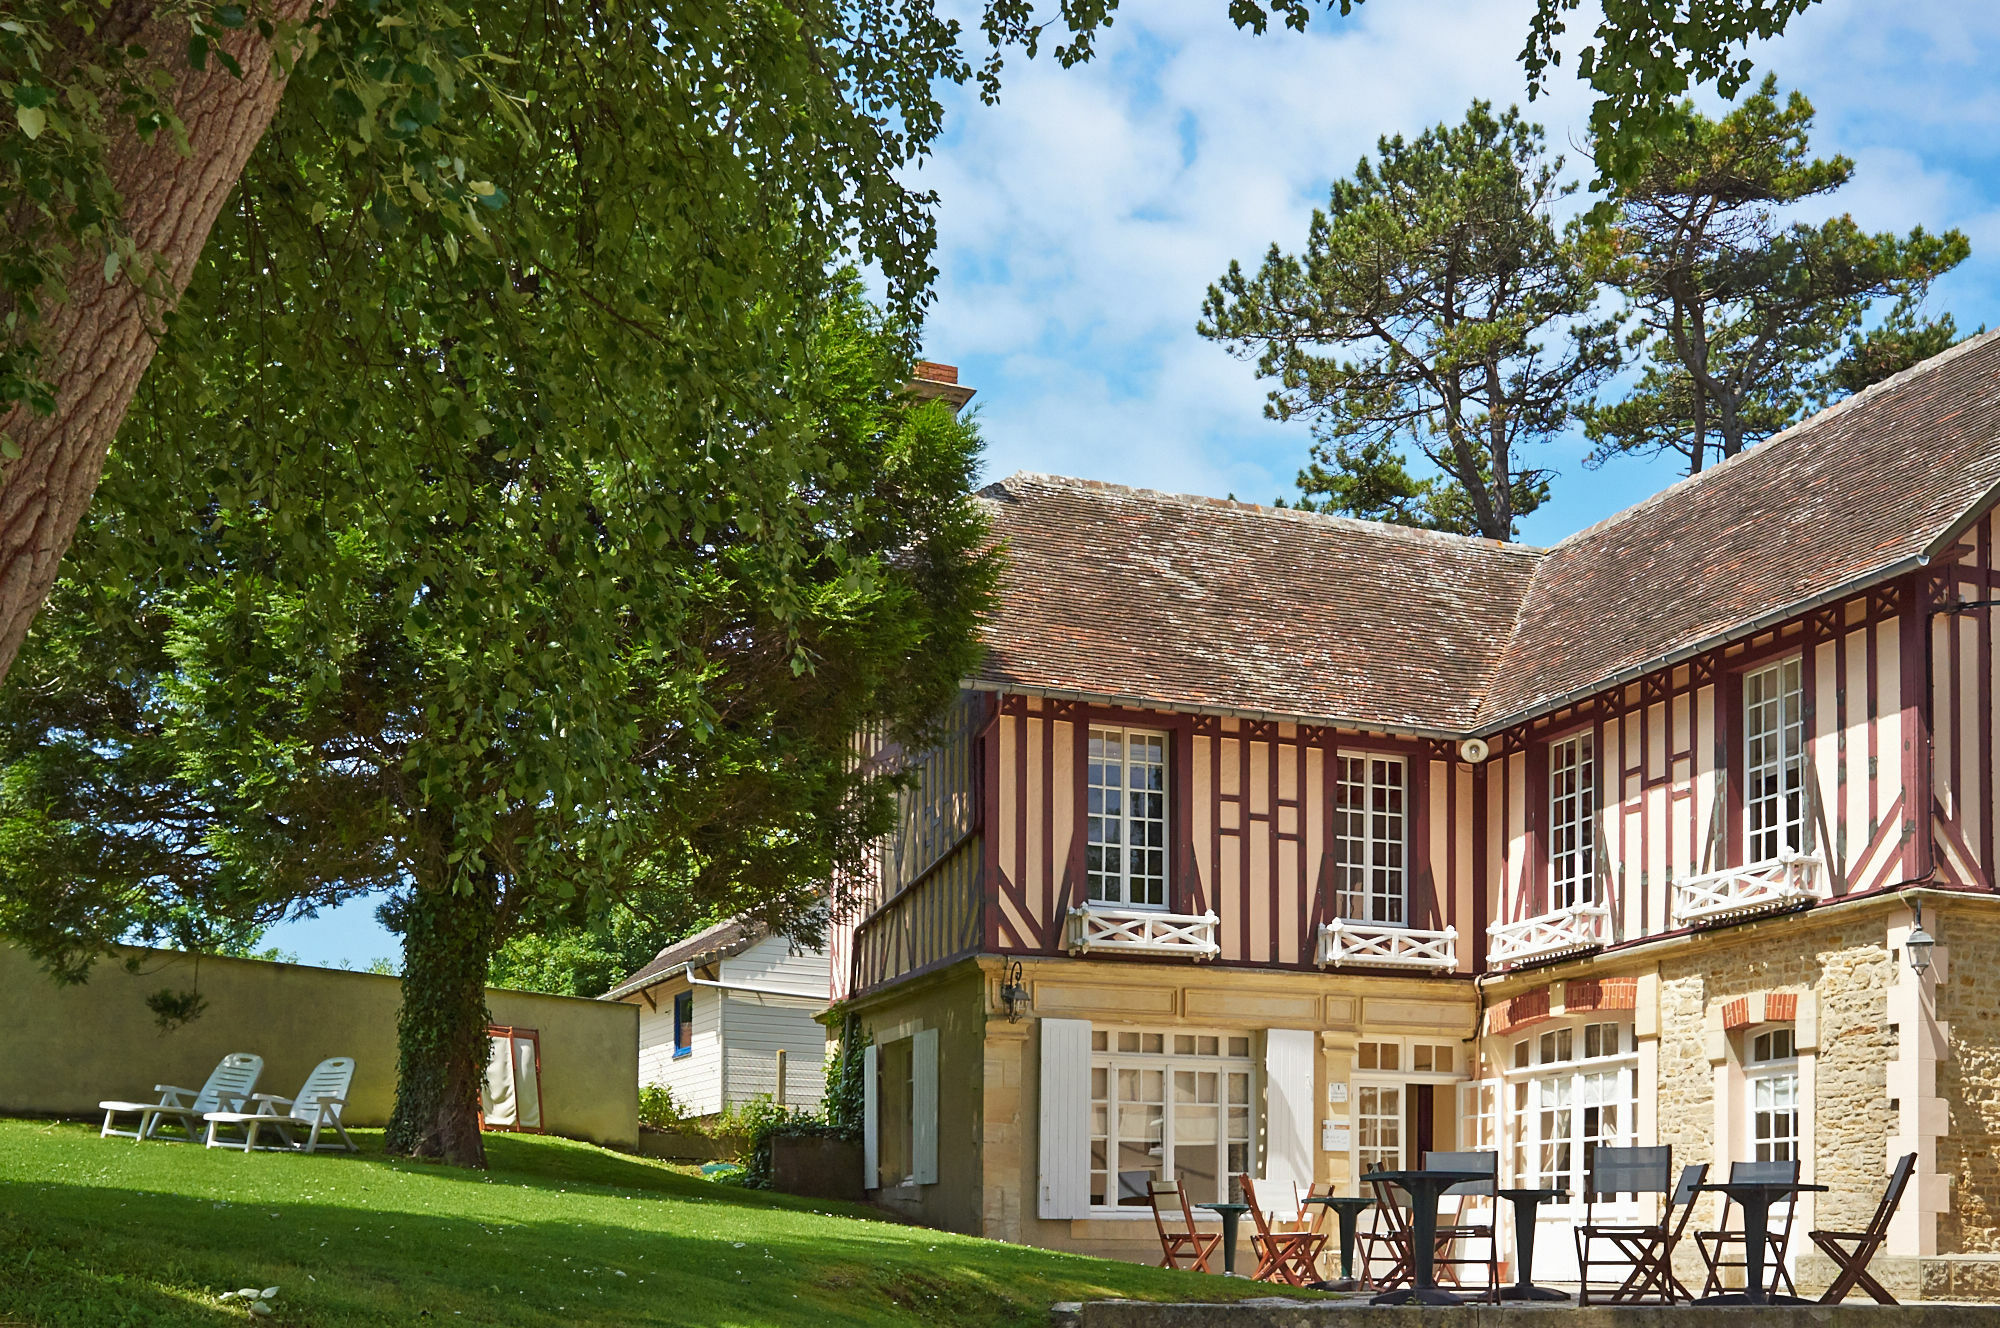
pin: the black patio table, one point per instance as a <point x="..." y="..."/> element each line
<point x="1755" y="1199"/>
<point x="1348" y="1208"/>
<point x="1231" y="1214"/>
<point x="1424" y="1188"/>
<point x="1525" y="1202"/>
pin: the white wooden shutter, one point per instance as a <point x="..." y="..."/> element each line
<point x="924" y="1106"/>
<point x="1288" y="1109"/>
<point x="1065" y="1153"/>
<point x="871" y="1122"/>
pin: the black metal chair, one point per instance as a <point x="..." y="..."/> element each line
<point x="1852" y="1250"/>
<point x="1448" y="1259"/>
<point x="1716" y="1245"/>
<point x="1644" y="1249"/>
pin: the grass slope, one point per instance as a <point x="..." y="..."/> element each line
<point x="101" y="1233"/>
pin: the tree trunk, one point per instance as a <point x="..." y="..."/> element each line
<point x="441" y="1031"/>
<point x="98" y="344"/>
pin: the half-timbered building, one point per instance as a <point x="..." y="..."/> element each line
<point x="1274" y="841"/>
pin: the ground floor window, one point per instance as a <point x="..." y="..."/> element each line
<point x="1772" y="1075"/>
<point x="1168" y="1106"/>
<point x="1571" y="1090"/>
<point x="894" y="1067"/>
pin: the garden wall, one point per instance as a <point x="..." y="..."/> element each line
<point x="63" y="1049"/>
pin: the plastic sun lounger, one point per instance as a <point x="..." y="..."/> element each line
<point x="317" y="1107"/>
<point x="229" y="1085"/>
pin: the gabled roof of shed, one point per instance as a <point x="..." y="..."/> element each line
<point x="730" y="937"/>
<point x="1133" y="595"/>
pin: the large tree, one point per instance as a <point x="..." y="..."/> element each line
<point x="1743" y="315"/>
<point x="1436" y="306"/>
<point x="498" y="641"/>
<point x="134" y="118"/>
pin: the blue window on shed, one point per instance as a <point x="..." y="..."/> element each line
<point x="683" y="1024"/>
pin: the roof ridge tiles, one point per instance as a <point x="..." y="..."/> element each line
<point x="1360" y="524"/>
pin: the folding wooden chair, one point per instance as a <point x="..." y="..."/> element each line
<point x="1852" y="1250"/>
<point x="1174" y="1218"/>
<point x="1447" y="1259"/>
<point x="1646" y="1249"/>
<point x="1388" y="1240"/>
<point x="1714" y="1245"/>
<point x="1291" y="1257"/>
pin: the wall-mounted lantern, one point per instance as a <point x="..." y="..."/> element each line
<point x="1013" y="992"/>
<point x="1919" y="941"/>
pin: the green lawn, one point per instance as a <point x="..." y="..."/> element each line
<point x="105" y="1232"/>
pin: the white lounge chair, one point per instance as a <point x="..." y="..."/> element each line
<point x="229" y="1086"/>
<point x="317" y="1107"/>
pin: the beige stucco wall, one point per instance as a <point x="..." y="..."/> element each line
<point x="952" y="1002"/>
<point x="989" y="1069"/>
<point x="63" y="1049"/>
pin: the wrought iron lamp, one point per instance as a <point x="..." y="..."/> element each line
<point x="1013" y="992"/>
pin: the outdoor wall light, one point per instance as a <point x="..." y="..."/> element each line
<point x="1013" y="992"/>
<point x="1919" y="941"/>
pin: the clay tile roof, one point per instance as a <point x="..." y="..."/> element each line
<point x="720" y="941"/>
<point x="1204" y="604"/>
<point x="1852" y="495"/>
<point x="1201" y="603"/>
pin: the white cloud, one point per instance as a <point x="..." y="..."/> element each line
<point x="1083" y="218"/>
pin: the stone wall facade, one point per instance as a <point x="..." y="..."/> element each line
<point x="1968" y="1005"/>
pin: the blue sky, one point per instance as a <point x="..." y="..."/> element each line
<point x="1082" y="219"/>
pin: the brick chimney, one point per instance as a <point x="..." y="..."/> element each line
<point x="931" y="381"/>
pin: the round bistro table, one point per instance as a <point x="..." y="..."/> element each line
<point x="1525" y="1203"/>
<point x="1231" y="1214"/>
<point x="1348" y="1208"/>
<point x="1424" y="1188"/>
<point x="1755" y="1198"/>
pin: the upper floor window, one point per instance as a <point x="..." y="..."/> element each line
<point x="1774" y="765"/>
<point x="1125" y="859"/>
<point x="1572" y="822"/>
<point x="1772" y="1074"/>
<point x="1368" y="839"/>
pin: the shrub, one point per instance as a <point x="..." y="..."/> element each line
<point x="658" y="1109"/>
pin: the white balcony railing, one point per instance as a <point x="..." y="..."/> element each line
<point x="1549" y="935"/>
<point x="1741" y="892"/>
<point x="1095" y="927"/>
<point x="1342" y="942"/>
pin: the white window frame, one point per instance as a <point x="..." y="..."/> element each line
<point x="1118" y="889"/>
<point x="1167" y="1061"/>
<point x="1373" y="1088"/>
<point x="1372" y="884"/>
<point x="1774" y="760"/>
<point x="1777" y="1077"/>
<point x="1573" y="820"/>
<point x="1560" y="1080"/>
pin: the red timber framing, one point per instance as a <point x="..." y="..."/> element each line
<point x="1961" y="765"/>
<point x="1670" y="754"/>
<point x="1898" y="693"/>
<point x="1250" y="827"/>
